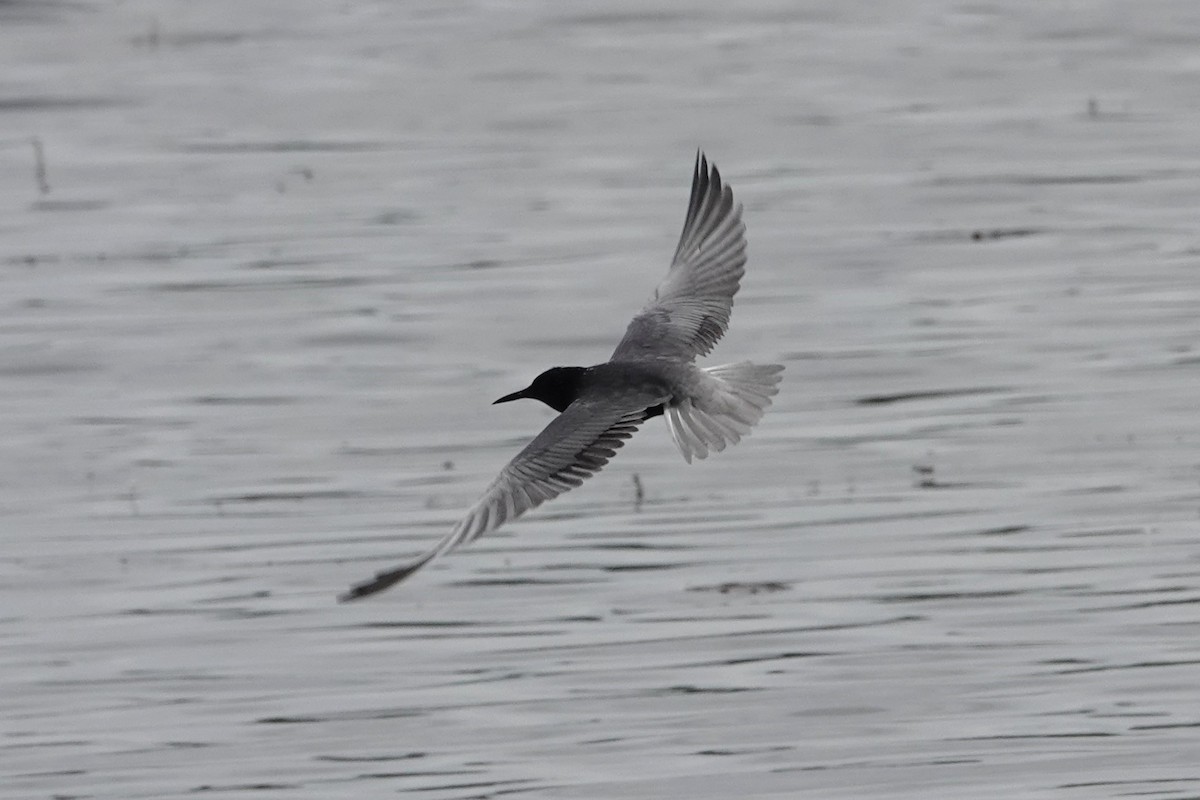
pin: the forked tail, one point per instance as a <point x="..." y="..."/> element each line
<point x="730" y="400"/>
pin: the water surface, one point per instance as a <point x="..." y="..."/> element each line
<point x="281" y="256"/>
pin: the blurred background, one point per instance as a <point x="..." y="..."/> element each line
<point x="264" y="266"/>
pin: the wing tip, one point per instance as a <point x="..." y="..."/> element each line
<point x="706" y="169"/>
<point x="384" y="580"/>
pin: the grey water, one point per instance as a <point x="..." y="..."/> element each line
<point x="268" y="264"/>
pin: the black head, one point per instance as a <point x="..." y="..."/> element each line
<point x="557" y="387"/>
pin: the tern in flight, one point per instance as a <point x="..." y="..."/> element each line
<point x="651" y="373"/>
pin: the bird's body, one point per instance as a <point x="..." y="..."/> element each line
<point x="558" y="387"/>
<point x="651" y="373"/>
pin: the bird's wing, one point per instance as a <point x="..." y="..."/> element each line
<point x="690" y="309"/>
<point x="574" y="446"/>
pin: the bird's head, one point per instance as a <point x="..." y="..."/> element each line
<point x="557" y="387"/>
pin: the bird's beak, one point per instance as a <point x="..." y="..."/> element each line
<point x="508" y="398"/>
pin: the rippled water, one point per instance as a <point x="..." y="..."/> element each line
<point x="280" y="257"/>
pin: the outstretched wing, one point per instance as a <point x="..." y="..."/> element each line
<point x="690" y="308"/>
<point x="574" y="446"/>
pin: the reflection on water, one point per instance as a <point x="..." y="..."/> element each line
<point x="289" y="254"/>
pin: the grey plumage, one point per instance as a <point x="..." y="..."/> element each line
<point x="690" y="309"/>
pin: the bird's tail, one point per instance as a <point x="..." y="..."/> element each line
<point x="728" y="402"/>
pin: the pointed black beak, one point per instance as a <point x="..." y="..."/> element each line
<point x="508" y="398"/>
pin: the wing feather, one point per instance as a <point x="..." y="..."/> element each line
<point x="690" y="309"/>
<point x="574" y="446"/>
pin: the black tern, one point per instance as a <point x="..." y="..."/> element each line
<point x="651" y="373"/>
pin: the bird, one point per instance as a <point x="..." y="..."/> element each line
<point x="651" y="373"/>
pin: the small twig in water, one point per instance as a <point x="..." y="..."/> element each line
<point x="39" y="166"/>
<point x="639" y="494"/>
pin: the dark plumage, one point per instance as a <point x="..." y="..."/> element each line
<point x="558" y="387"/>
